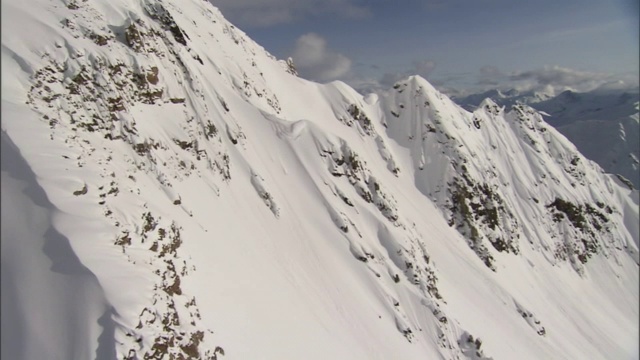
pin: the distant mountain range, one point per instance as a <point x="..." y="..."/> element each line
<point x="604" y="125"/>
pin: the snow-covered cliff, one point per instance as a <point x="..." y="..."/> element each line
<point x="172" y="191"/>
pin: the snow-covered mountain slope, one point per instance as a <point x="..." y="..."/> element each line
<point x="172" y="191"/>
<point x="604" y="125"/>
<point x="503" y="176"/>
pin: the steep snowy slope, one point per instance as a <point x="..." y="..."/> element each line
<point x="505" y="176"/>
<point x="602" y="124"/>
<point x="176" y="192"/>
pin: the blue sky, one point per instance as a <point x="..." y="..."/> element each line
<point x="458" y="45"/>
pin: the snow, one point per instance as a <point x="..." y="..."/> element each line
<point x="220" y="202"/>
<point x="602" y="124"/>
<point x="52" y="305"/>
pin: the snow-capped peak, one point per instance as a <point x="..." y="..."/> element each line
<point x="172" y="191"/>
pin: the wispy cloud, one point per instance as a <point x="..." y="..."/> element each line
<point x="561" y="78"/>
<point x="314" y="60"/>
<point x="264" y="13"/>
<point x="553" y="79"/>
<point x="547" y="79"/>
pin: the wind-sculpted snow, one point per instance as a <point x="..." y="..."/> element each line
<point x="227" y="208"/>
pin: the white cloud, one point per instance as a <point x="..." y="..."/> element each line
<point x="314" y="60"/>
<point x="262" y="13"/>
<point x="626" y="82"/>
<point x="560" y="78"/>
<point x="553" y="79"/>
<point x="548" y="79"/>
<point x="557" y="76"/>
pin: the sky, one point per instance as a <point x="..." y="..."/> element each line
<point x="460" y="46"/>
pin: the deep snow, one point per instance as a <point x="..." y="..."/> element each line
<point x="171" y="188"/>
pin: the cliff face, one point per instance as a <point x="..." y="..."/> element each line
<point x="174" y="191"/>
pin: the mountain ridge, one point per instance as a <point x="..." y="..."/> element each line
<point x="230" y="209"/>
<point x="593" y="121"/>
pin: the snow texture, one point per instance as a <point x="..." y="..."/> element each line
<point x="172" y="191"/>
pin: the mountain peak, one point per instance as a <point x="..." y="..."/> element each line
<point x="487" y="102"/>
<point x="202" y="201"/>
<point x="569" y="96"/>
<point x="416" y="82"/>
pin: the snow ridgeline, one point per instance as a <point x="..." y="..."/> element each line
<point x="507" y="177"/>
<point x="250" y="213"/>
<point x="602" y="124"/>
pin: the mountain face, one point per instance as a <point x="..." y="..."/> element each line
<point x="172" y="191"/>
<point x="604" y="125"/>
